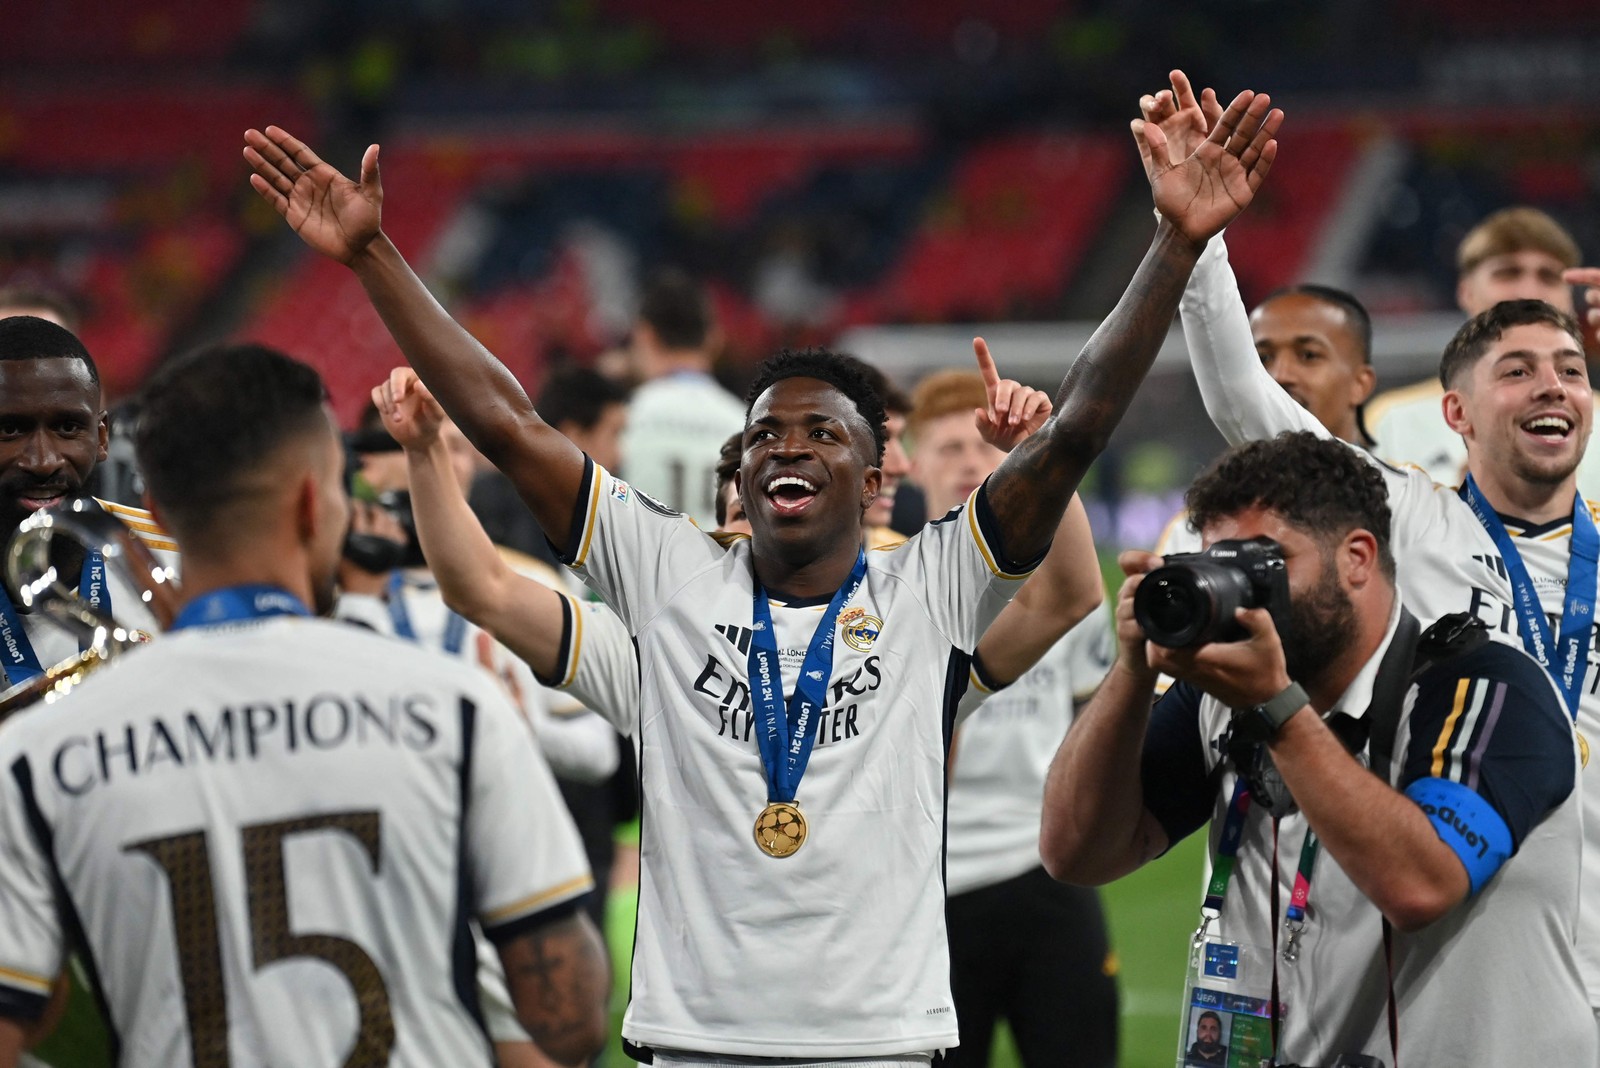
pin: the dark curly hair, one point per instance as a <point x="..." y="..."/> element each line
<point x="1317" y="484"/>
<point x="1490" y="325"/>
<point x="841" y="372"/>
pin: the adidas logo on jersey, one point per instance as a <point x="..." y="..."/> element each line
<point x="739" y="636"/>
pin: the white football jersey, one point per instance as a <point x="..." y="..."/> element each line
<point x="272" y="838"/>
<point x="1003" y="753"/>
<point x="1546" y="551"/>
<point x="676" y="426"/>
<point x="1408" y="427"/>
<point x="838" y="950"/>
<point x="577" y="743"/>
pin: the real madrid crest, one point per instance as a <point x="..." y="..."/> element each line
<point x="858" y="629"/>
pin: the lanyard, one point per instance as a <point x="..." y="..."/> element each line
<point x="784" y="736"/>
<point x="233" y="604"/>
<point x="21" y="663"/>
<point x="1228" y="854"/>
<point x="1567" y="657"/>
<point x="455" y="628"/>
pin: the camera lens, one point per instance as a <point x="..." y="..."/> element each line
<point x="1190" y="604"/>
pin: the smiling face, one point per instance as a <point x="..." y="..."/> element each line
<point x="807" y="473"/>
<point x="1209" y="1030"/>
<point x="52" y="433"/>
<point x="1525" y="407"/>
<point x="1311" y="349"/>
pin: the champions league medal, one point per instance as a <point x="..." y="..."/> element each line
<point x="787" y="733"/>
<point x="1583" y="751"/>
<point x="780" y="830"/>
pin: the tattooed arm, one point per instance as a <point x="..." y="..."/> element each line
<point x="1196" y="196"/>
<point x="560" y="981"/>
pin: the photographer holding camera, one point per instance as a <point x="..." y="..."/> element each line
<point x="1429" y="902"/>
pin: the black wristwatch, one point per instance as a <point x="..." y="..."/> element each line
<point x="1262" y="722"/>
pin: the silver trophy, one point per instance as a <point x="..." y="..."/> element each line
<point x="38" y="588"/>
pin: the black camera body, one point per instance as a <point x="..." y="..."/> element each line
<point x="1191" y="599"/>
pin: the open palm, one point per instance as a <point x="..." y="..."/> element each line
<point x="1202" y="193"/>
<point x="337" y="217"/>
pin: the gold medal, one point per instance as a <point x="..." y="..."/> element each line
<point x="1583" y="751"/>
<point x="780" y="829"/>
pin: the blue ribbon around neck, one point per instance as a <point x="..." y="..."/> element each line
<point x="455" y="628"/>
<point x="16" y="651"/>
<point x="785" y="735"/>
<point x="1566" y="658"/>
<point x="233" y="604"/>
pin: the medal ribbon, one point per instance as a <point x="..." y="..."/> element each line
<point x="455" y="628"/>
<point x="1567" y="657"/>
<point x="21" y="663"/>
<point x="785" y="736"/>
<point x="232" y="604"/>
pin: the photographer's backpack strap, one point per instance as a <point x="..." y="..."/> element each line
<point x="1409" y="655"/>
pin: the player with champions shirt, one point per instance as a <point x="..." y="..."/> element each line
<point x="795" y="695"/>
<point x="267" y="834"/>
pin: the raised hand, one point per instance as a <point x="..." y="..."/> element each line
<point x="337" y="217"/>
<point x="1589" y="312"/>
<point x="410" y="414"/>
<point x="1184" y="119"/>
<point x="1014" y="410"/>
<point x="1206" y="190"/>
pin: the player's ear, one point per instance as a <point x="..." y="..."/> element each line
<point x="1454" y="406"/>
<point x="103" y="433"/>
<point x="308" y="511"/>
<point x="872" y="484"/>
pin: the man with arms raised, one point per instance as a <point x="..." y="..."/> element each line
<point x="784" y="918"/>
<point x="269" y="832"/>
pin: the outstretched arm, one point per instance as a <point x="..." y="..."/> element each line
<point x="342" y="220"/>
<point x="473" y="577"/>
<point x="1196" y="197"/>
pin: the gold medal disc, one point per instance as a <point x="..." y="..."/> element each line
<point x="1583" y="750"/>
<point x="780" y="829"/>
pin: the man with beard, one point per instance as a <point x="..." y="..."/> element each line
<point x="53" y="431"/>
<point x="1514" y="545"/>
<point x="260" y="775"/>
<point x="1207" y="1047"/>
<point x="1380" y="907"/>
<point x="815" y="930"/>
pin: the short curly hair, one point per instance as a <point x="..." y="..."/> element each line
<point x="837" y="370"/>
<point x="1317" y="484"/>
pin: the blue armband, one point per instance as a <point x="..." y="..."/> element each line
<point x="1467" y="823"/>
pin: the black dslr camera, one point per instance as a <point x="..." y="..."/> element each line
<point x="1191" y="599"/>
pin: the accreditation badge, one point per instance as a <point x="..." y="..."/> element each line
<point x="1227" y="1004"/>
